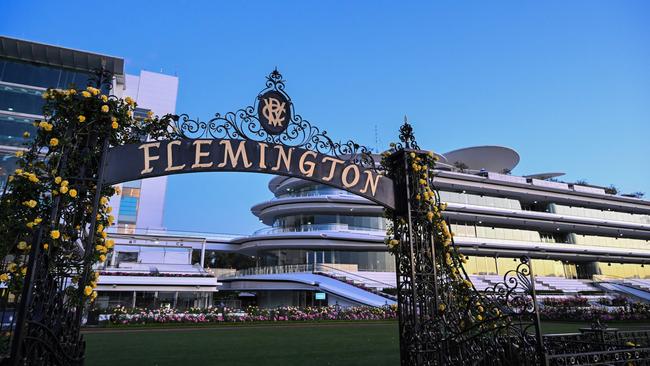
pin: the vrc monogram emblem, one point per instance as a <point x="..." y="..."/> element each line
<point x="273" y="111"/>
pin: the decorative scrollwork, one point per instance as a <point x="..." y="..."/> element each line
<point x="245" y="124"/>
<point x="406" y="137"/>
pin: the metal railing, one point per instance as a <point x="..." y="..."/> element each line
<point x="319" y="227"/>
<point x="289" y="268"/>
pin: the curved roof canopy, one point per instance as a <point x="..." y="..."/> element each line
<point x="490" y="158"/>
<point x="544" y="175"/>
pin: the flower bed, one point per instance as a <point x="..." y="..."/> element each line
<point x="154" y="274"/>
<point x="579" y="309"/>
<point x="125" y="316"/>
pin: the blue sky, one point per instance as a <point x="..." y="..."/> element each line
<point x="565" y="83"/>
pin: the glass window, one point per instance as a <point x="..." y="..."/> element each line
<point x="12" y="129"/>
<point x="21" y="100"/>
<point x="145" y="299"/>
<point x="43" y="76"/>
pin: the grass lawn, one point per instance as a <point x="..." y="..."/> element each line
<point x="371" y="343"/>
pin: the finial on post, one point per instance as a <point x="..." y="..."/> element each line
<point x="406" y="135"/>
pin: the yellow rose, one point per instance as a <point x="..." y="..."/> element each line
<point x="115" y="125"/>
<point x="100" y="228"/>
<point x="11" y="267"/>
<point x="45" y="246"/>
<point x="73" y="193"/>
<point x="57" y="180"/>
<point x="29" y="225"/>
<point x="64" y="189"/>
<point x="72" y="91"/>
<point x="110" y="243"/>
<point x="102" y="258"/>
<point x="38" y="220"/>
<point x="22" y="245"/>
<point x="104" y="98"/>
<point x="429" y="215"/>
<point x="64" y="183"/>
<point x="81" y="118"/>
<point x="85" y="94"/>
<point x="128" y="100"/>
<point x="104" y="108"/>
<point x="54" y="141"/>
<point x="4" y="277"/>
<point x="88" y="290"/>
<point x="19" y="154"/>
<point x="23" y="270"/>
<point x="55" y="234"/>
<point x="26" y="134"/>
<point x="103" y="200"/>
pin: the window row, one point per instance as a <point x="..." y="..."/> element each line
<point x="321" y="222"/>
<point x="624" y="270"/>
<point x="24" y="73"/>
<point x="599" y="214"/>
<point x="478" y="200"/>
<point x="500" y="266"/>
<point x="349" y="261"/>
<point x="604" y="241"/>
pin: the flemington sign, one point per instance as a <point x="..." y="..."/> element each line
<point x="266" y="146"/>
<point x="152" y="159"/>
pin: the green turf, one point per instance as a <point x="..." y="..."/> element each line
<point x="344" y="344"/>
<point x="290" y="344"/>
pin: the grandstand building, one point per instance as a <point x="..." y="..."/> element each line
<point x="583" y="239"/>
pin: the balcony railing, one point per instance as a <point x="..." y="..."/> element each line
<point x="319" y="227"/>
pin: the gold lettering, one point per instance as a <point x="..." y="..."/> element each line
<point x="310" y="164"/>
<point x="371" y="183"/>
<point x="263" y="147"/>
<point x="283" y="157"/>
<point x="332" y="168"/>
<point x="199" y="154"/>
<point x="234" y="156"/>
<point x="147" y="156"/>
<point x="170" y="159"/>
<point x="345" y="173"/>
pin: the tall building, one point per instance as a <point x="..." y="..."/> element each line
<point x="27" y="69"/>
<point x="142" y="202"/>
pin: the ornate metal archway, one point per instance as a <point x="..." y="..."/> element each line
<point x="443" y="319"/>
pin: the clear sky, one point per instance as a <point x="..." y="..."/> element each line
<point x="565" y="83"/>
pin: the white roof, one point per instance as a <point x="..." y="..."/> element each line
<point x="490" y="158"/>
